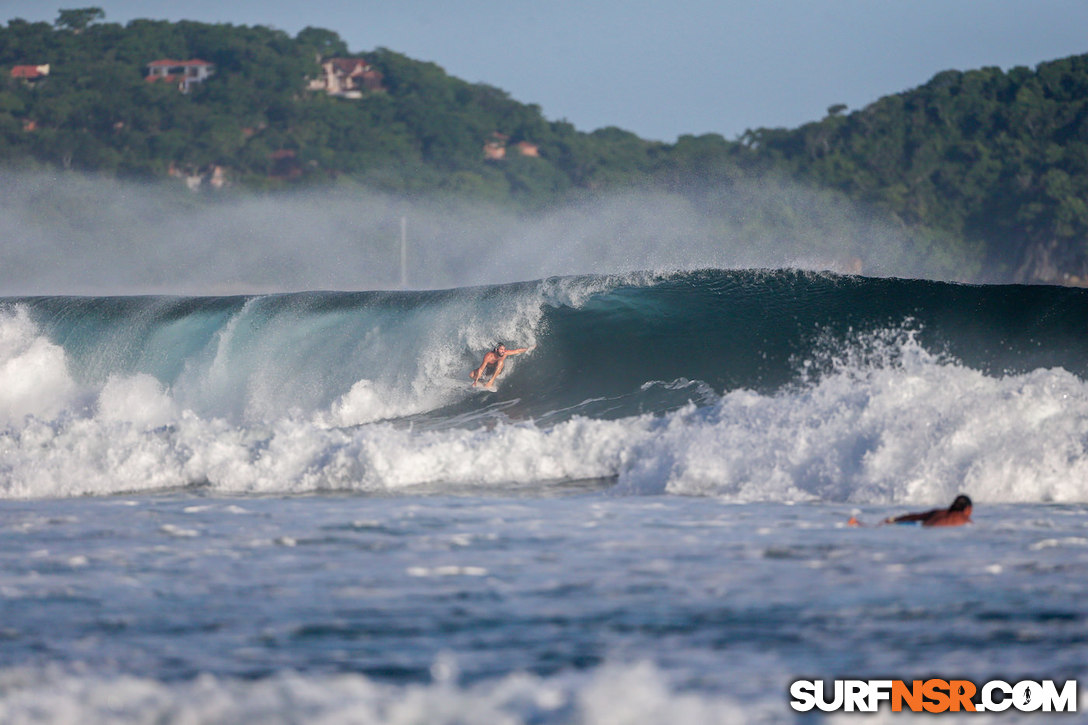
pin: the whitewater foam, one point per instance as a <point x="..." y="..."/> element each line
<point x="34" y="377"/>
<point x="920" y="434"/>
<point x="919" y="429"/>
<point x="611" y="695"/>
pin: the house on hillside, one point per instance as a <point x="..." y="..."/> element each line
<point x="347" y="78"/>
<point x="525" y="148"/>
<point x="30" y="74"/>
<point x="496" y="146"/>
<point x="285" y="164"/>
<point x="212" y="175"/>
<point x="183" y="72"/>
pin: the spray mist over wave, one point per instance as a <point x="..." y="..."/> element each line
<point x="70" y="234"/>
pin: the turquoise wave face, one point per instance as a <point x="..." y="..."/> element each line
<point x="606" y="347"/>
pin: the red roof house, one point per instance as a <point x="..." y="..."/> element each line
<point x="30" y="72"/>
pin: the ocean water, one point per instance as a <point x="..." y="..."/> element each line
<point x="293" y="508"/>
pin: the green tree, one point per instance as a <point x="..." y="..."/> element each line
<point x="325" y="43"/>
<point x="79" y="19"/>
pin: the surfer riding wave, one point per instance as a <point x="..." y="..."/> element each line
<point x="493" y="363"/>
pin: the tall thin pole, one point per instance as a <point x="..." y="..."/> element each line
<point x="404" y="252"/>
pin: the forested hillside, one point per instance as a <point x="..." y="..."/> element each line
<point x="985" y="166"/>
<point x="998" y="158"/>
<point x="255" y="117"/>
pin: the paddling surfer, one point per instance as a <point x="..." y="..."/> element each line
<point x="958" y="514"/>
<point x="493" y="363"/>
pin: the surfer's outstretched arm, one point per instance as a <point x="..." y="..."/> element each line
<point x="910" y="518"/>
<point x="502" y="361"/>
<point x="958" y="514"/>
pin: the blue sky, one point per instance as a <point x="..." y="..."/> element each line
<point x="662" y="69"/>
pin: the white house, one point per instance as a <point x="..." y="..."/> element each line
<point x="183" y="72"/>
<point x="347" y="78"/>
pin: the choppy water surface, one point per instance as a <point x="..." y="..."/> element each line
<point x="541" y="609"/>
